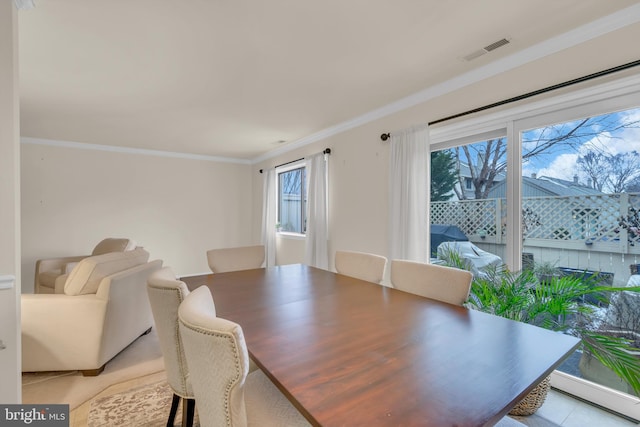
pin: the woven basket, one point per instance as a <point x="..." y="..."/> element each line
<point x="534" y="400"/>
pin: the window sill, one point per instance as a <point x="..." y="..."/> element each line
<point x="290" y="235"/>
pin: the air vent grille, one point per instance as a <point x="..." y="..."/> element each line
<point x="493" y="46"/>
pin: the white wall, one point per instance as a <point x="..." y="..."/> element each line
<point x="176" y="208"/>
<point x="358" y="171"/>
<point x="10" y="366"/>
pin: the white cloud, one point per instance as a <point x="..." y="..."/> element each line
<point x="621" y="141"/>
<point x="563" y="167"/>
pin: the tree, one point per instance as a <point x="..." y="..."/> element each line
<point x="443" y="175"/>
<point x="634" y="185"/>
<point x="592" y="165"/>
<point x="623" y="168"/>
<point x="487" y="160"/>
<point x="614" y="173"/>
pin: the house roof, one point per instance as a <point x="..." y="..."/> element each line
<point x="545" y="186"/>
<point x="560" y="187"/>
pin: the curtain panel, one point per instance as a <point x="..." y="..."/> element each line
<point x="269" y="202"/>
<point x="408" y="194"/>
<point x="317" y="253"/>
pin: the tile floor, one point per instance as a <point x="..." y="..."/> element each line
<point x="560" y="409"/>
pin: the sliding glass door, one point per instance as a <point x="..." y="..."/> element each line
<point x="580" y="200"/>
<point x="556" y="192"/>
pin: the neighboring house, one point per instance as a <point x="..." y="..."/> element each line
<point x="545" y="186"/>
<point x="467" y="183"/>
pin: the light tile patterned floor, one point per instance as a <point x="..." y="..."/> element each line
<point x="560" y="409"/>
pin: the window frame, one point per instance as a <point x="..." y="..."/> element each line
<point x="299" y="164"/>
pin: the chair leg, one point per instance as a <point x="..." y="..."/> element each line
<point x="188" y="410"/>
<point x="174" y="410"/>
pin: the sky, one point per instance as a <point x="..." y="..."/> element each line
<point x="562" y="161"/>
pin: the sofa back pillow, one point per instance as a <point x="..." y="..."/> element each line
<point x="87" y="275"/>
<point x="113" y="245"/>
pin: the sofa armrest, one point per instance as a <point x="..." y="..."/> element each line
<point x="61" y="332"/>
<point x="56" y="263"/>
<point x="129" y="311"/>
<point x="60" y="281"/>
<point x="53" y="265"/>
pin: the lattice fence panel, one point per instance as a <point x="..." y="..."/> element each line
<point x="631" y="217"/>
<point x="469" y="215"/>
<point x="585" y="218"/>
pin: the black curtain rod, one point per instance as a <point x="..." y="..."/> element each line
<point x="326" y="151"/>
<point x="588" y="77"/>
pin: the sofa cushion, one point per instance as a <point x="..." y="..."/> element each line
<point x="87" y="275"/>
<point x="113" y="245"/>
<point x="48" y="278"/>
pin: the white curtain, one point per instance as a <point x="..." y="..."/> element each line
<point x="408" y="194"/>
<point x="316" y="253"/>
<point x="269" y="202"/>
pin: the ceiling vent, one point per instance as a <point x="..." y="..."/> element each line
<point x="493" y="46"/>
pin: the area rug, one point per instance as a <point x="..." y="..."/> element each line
<point x="143" y="406"/>
<point x="141" y="358"/>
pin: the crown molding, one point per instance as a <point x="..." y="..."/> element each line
<point x="584" y="33"/>
<point x="129" y="150"/>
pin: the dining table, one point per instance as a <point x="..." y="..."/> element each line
<point x="347" y="352"/>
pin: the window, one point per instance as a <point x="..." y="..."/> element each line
<point x="292" y="200"/>
<point x="568" y="200"/>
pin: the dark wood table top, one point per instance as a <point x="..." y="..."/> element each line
<point x="352" y="353"/>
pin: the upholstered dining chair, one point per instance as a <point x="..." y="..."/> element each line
<point x="438" y="282"/>
<point x="234" y="259"/>
<point x="361" y="265"/>
<point x="217" y="356"/>
<point x="165" y="295"/>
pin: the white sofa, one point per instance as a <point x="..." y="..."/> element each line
<point x="103" y="309"/>
<point x="51" y="273"/>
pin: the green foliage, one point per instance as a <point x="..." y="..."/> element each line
<point x="545" y="267"/>
<point x="631" y="221"/>
<point x="616" y="354"/>
<point x="557" y="305"/>
<point x="443" y="175"/>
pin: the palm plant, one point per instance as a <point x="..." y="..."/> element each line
<point x="559" y="305"/>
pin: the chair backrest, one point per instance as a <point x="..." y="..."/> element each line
<point x="215" y="348"/>
<point x="446" y="284"/>
<point x="361" y="265"/>
<point x="165" y="295"/>
<point x="234" y="259"/>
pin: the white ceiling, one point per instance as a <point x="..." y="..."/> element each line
<point x="231" y="78"/>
